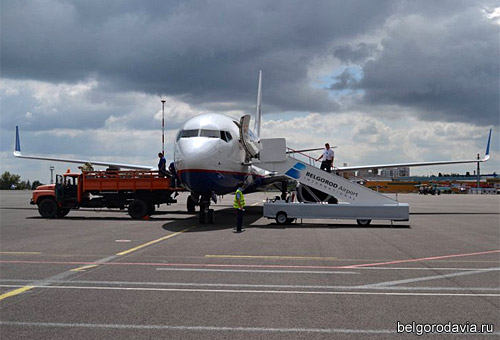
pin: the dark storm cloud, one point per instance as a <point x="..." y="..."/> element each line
<point x="206" y="51"/>
<point x="448" y="68"/>
<point x="438" y="57"/>
<point x="355" y="54"/>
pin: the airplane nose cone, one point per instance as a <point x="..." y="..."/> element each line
<point x="197" y="161"/>
<point x="195" y="153"/>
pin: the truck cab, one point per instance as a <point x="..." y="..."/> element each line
<point x="56" y="200"/>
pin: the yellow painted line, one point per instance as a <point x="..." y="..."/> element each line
<point x="20" y="252"/>
<point x="15" y="292"/>
<point x="82" y="269"/>
<point x="273" y="257"/>
<point x="152" y="242"/>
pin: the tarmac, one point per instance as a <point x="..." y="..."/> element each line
<point x="102" y="275"/>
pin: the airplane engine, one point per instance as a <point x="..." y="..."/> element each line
<point x="310" y="195"/>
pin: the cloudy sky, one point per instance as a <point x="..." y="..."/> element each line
<point x="385" y="81"/>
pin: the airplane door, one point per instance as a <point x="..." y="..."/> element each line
<point x="247" y="138"/>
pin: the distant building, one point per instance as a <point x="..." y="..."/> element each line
<point x="395" y="172"/>
<point x="385" y="173"/>
<point x="483" y="191"/>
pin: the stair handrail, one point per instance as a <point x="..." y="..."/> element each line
<point x="291" y="152"/>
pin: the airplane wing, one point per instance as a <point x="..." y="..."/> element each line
<point x="414" y="164"/>
<point x="17" y="153"/>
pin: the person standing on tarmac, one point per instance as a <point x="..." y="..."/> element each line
<point x="239" y="204"/>
<point x="328" y="157"/>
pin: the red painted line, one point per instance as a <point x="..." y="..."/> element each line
<point x="162" y="264"/>
<point x="422" y="259"/>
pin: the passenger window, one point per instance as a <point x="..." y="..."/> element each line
<point x="210" y="133"/>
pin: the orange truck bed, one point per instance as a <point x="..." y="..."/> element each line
<point x="125" y="181"/>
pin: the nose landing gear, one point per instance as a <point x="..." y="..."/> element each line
<point x="206" y="215"/>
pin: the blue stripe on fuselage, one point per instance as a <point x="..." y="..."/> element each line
<point x="203" y="181"/>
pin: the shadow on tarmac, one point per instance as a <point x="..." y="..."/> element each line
<point x="455" y="213"/>
<point x="333" y="226"/>
<point x="226" y="219"/>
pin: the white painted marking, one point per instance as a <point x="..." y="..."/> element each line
<point x="123" y="241"/>
<point x="142" y="283"/>
<point x="198" y="328"/>
<point x="207" y="328"/>
<point x="428" y="278"/>
<point x="190" y="290"/>
<point x="426" y="268"/>
<point x="257" y="271"/>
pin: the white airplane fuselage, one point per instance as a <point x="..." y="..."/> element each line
<point x="209" y="157"/>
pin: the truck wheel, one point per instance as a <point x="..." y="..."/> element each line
<point x="137" y="209"/>
<point x="281" y="218"/>
<point x="211" y="216"/>
<point x="364" y="223"/>
<point x="48" y="208"/>
<point x="61" y="212"/>
<point x="191" y="205"/>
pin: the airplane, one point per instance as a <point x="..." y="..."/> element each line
<point x="213" y="152"/>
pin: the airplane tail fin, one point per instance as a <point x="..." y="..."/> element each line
<point x="17" y="150"/>
<point x="487" y="154"/>
<point x="258" y="113"/>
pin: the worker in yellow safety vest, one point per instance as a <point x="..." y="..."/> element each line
<point x="239" y="204"/>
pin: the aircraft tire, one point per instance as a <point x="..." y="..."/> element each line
<point x="364" y="223"/>
<point x="202" y="217"/>
<point x="137" y="209"/>
<point x="211" y="216"/>
<point x="48" y="208"/>
<point x="191" y="205"/>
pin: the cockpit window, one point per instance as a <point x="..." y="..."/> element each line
<point x="187" y="134"/>
<point x="210" y="133"/>
<point x="225" y="136"/>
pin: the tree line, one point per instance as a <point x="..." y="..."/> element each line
<point x="13" y="181"/>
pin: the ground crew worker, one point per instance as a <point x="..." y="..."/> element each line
<point x="239" y="204"/>
<point x="162" y="165"/>
<point x="327" y="156"/>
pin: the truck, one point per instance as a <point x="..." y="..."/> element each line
<point x="137" y="191"/>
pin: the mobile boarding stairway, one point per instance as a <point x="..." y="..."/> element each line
<point x="355" y="201"/>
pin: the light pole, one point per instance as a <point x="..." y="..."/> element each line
<point x="478" y="175"/>
<point x="163" y="126"/>
<point x="51" y="168"/>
